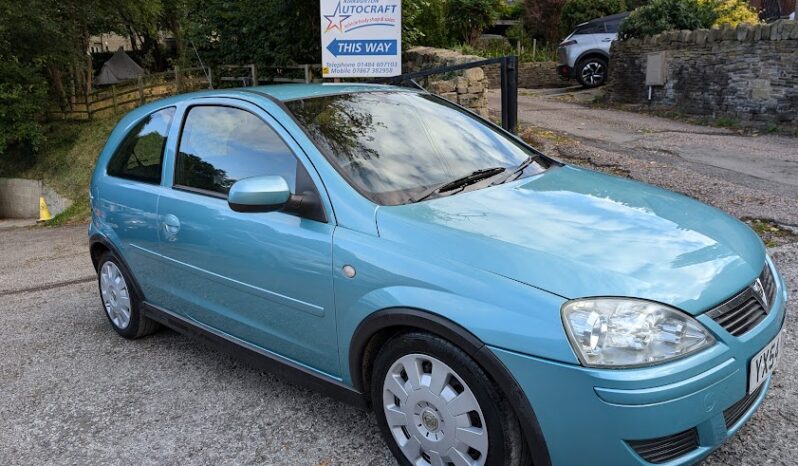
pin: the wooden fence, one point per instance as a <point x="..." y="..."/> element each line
<point x="130" y="94"/>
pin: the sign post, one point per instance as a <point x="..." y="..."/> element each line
<point x="361" y="38"/>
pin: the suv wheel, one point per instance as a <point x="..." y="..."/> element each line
<point x="592" y="72"/>
<point x="436" y="406"/>
<point x="119" y="299"/>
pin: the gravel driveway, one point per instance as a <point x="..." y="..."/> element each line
<point x="73" y="392"/>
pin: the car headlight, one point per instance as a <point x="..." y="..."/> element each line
<point x="623" y="332"/>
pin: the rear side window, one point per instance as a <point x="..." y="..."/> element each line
<point x="590" y="28"/>
<point x="221" y="145"/>
<point x="140" y="156"/>
<point x="612" y="26"/>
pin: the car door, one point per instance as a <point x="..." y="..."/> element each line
<point x="126" y="194"/>
<point x="610" y="33"/>
<point x="264" y="278"/>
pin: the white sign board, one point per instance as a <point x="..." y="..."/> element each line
<point x="361" y="38"/>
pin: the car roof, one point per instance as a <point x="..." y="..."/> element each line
<point x="281" y="92"/>
<point x="605" y="19"/>
<point x="286" y="92"/>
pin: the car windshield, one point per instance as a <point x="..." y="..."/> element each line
<point x="393" y="146"/>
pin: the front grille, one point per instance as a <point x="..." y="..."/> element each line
<point x="662" y="449"/>
<point x="745" y="310"/>
<point x="735" y="412"/>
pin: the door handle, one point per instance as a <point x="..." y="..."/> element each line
<point x="171" y="224"/>
<point x="607" y="40"/>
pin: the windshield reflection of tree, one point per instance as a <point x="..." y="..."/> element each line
<point x="342" y="127"/>
<point x="200" y="174"/>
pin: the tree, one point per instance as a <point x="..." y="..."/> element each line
<point x="468" y="18"/>
<point x="576" y="12"/>
<point x="542" y="19"/>
<point x="272" y="32"/>
<point x="424" y="22"/>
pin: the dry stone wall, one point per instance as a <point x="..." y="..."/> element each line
<point x="531" y="75"/>
<point x="748" y="73"/>
<point x="467" y="88"/>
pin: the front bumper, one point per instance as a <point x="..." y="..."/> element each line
<point x="588" y="416"/>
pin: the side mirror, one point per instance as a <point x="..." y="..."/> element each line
<point x="259" y="194"/>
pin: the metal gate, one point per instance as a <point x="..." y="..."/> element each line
<point x="508" y="67"/>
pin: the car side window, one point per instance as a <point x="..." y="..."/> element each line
<point x="590" y="28"/>
<point x="613" y="26"/>
<point x="140" y="156"/>
<point x="221" y="145"/>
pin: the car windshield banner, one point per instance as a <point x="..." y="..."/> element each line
<point x="361" y="38"/>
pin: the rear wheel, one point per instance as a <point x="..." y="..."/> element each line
<point x="437" y="407"/>
<point x="119" y="299"/>
<point x="592" y="72"/>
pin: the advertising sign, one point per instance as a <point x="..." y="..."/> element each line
<point x="361" y="38"/>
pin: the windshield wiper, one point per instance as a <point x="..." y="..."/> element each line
<point x="462" y="182"/>
<point x="515" y="174"/>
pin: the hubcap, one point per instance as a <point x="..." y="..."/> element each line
<point x="432" y="413"/>
<point x="593" y="73"/>
<point x="116" y="298"/>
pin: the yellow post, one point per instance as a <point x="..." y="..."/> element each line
<point x="44" y="212"/>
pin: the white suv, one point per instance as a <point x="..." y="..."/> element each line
<point x="585" y="53"/>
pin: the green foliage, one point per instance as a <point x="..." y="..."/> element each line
<point x="576" y="12"/>
<point x="272" y="32"/>
<point x="734" y="12"/>
<point x="23" y="94"/>
<point x="666" y="15"/>
<point x="497" y="49"/>
<point x="424" y="23"/>
<point x="466" y="19"/>
<point x="514" y="10"/>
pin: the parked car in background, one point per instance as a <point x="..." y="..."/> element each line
<point x="585" y="53"/>
<point x="493" y="306"/>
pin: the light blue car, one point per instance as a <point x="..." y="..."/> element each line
<point x="492" y="305"/>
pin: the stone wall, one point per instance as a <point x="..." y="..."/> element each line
<point x="467" y="88"/>
<point x="19" y="198"/>
<point x="748" y="73"/>
<point x="531" y="75"/>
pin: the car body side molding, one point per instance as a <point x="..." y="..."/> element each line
<point x="257" y="357"/>
<point x="466" y="341"/>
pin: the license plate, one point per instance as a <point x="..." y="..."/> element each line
<point x="764" y="362"/>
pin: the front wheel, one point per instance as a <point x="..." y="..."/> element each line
<point x="436" y="406"/>
<point x="592" y="72"/>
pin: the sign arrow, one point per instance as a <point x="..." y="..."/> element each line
<point x="362" y="47"/>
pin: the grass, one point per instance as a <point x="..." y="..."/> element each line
<point x="65" y="162"/>
<point x="771" y="233"/>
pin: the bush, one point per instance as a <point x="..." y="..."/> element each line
<point x="468" y="18"/>
<point x="576" y="12"/>
<point x="734" y="12"/>
<point x="666" y="15"/>
<point x="23" y="94"/>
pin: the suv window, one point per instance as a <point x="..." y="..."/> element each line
<point x="221" y="145"/>
<point x="590" y="28"/>
<point x="140" y="155"/>
<point x="612" y="26"/>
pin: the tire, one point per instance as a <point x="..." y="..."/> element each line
<point x="592" y="72"/>
<point x="423" y="426"/>
<point x="120" y="301"/>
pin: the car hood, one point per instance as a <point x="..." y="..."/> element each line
<point x="578" y="233"/>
